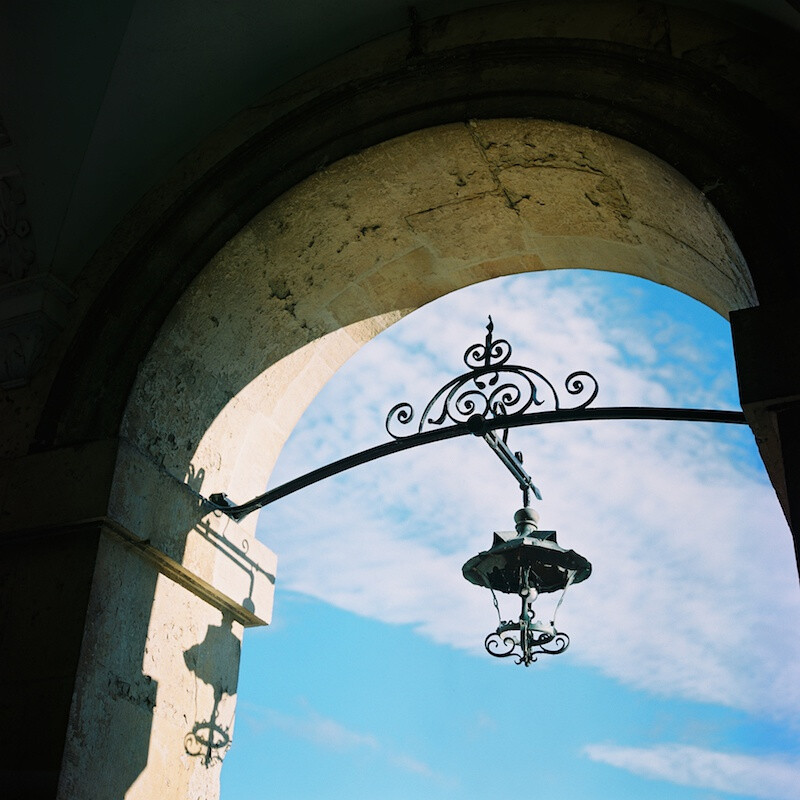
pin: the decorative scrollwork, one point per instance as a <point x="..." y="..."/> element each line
<point x="575" y="386"/>
<point x="492" y="388"/>
<point x="500" y="645"/>
<point x="527" y="647"/>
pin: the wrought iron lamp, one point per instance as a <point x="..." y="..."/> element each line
<point x="526" y="561"/>
<point x="495" y="395"/>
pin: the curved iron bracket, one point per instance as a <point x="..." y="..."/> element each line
<point x="493" y="395"/>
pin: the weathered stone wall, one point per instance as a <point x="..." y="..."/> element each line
<point x="152" y="712"/>
<point x="172" y="587"/>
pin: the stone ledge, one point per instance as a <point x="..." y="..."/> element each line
<point x="111" y="483"/>
<point x="170" y="521"/>
<point x="187" y="579"/>
<point x="242" y="613"/>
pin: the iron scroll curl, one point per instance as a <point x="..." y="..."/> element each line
<point x="528" y="647"/>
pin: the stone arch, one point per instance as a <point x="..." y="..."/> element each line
<point x="287" y="300"/>
<point x="712" y="99"/>
<point x="363" y="242"/>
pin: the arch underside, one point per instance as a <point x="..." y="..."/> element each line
<point x="713" y="101"/>
<point x="376" y="235"/>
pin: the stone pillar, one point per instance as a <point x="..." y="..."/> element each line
<point x="765" y="340"/>
<point x="127" y="602"/>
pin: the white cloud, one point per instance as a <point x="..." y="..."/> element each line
<point x="694" y="572"/>
<point x="417" y="767"/>
<point x="314" y="728"/>
<point x="763" y="777"/>
<point x="330" y="734"/>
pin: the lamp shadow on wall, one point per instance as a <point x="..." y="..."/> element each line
<point x="238" y="555"/>
<point x="194" y="478"/>
<point x="214" y="661"/>
<point x="210" y="661"/>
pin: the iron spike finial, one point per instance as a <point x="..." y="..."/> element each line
<point x="488" y="345"/>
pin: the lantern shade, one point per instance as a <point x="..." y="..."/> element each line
<point x="536" y="559"/>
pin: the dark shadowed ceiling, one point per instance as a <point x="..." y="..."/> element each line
<point x="99" y="100"/>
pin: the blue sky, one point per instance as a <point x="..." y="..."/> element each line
<point x="682" y="678"/>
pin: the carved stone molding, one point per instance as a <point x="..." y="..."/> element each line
<point x="17" y="247"/>
<point x="32" y="312"/>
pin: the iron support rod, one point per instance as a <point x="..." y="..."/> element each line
<point x="238" y="512"/>
<point x="511" y="462"/>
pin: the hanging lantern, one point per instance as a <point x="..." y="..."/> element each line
<point x="527" y="562"/>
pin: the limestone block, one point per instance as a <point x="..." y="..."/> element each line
<point x="568" y="202"/>
<point x="406" y="282"/>
<point x="471" y="230"/>
<point x="538" y="143"/>
<point x="564" y="252"/>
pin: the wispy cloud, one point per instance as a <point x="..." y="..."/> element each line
<point x="693" y="564"/>
<point x="763" y="777"/>
<point x="329" y="734"/>
<point x="416" y="767"/>
<point x="321" y="731"/>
